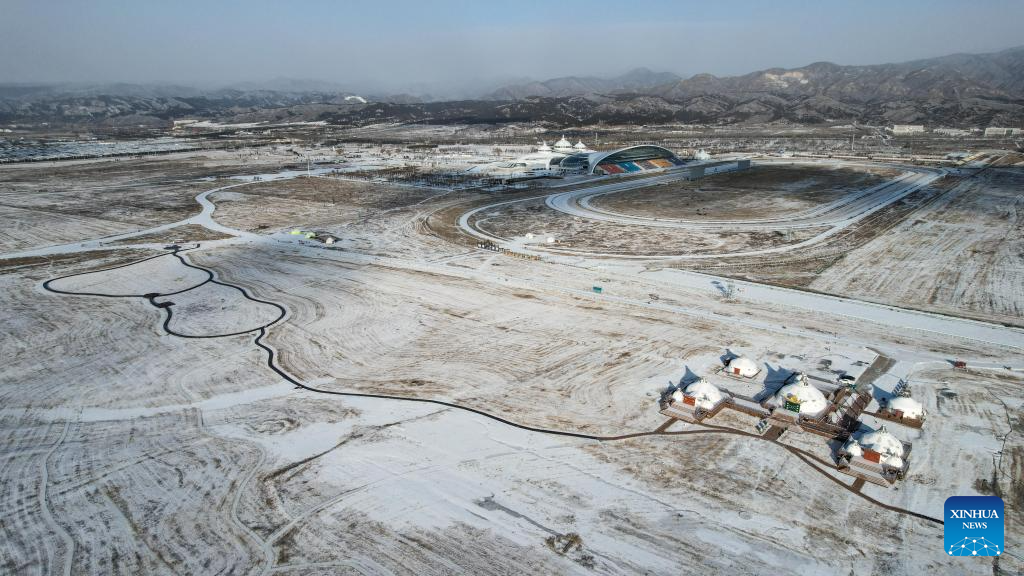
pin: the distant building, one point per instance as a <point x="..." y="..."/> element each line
<point x="907" y="129"/>
<point x="952" y="132"/>
<point x="995" y="132"/>
<point x="566" y="158"/>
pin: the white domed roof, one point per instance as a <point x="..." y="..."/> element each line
<point x="706" y="393"/>
<point x="563" y="143"/>
<point x="543" y="147"/>
<point x="580" y="145"/>
<point x="911" y="408"/>
<point x="883" y="442"/>
<point x="894" y="461"/>
<point x="812" y="401"/>
<point x="853" y="448"/>
<point x="746" y="366"/>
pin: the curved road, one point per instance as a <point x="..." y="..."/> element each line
<point x="836" y="216"/>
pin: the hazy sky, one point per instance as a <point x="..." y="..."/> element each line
<point x="450" y="45"/>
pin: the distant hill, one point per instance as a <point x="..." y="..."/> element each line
<point x="637" y="80"/>
<point x="956" y="90"/>
<point x="960" y="76"/>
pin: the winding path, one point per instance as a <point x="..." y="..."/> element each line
<point x="261" y="332"/>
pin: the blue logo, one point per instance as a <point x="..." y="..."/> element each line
<point x="974" y="526"/>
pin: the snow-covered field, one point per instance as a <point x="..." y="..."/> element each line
<point x="504" y="419"/>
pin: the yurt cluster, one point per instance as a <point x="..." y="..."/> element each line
<point x="797" y="402"/>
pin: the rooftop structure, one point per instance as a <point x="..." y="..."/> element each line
<point x="545" y="160"/>
<point x="907" y="129"/>
<point x="993" y="131"/>
<point x="564" y="146"/>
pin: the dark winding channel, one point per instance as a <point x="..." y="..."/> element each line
<point x="804" y="456"/>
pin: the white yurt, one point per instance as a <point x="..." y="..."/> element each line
<point x="886" y="444"/>
<point x="812" y="402"/>
<point x="911" y="408"/>
<point x="852" y="447"/>
<point x="743" y="366"/>
<point x="707" y="394"/>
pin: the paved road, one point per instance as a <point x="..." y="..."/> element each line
<point x="836" y="216"/>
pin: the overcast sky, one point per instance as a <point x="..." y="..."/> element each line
<point x="450" y="45"/>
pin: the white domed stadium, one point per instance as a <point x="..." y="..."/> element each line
<point x="742" y="366"/>
<point x="808" y="400"/>
<point x="707" y="394"/>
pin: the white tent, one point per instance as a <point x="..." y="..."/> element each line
<point x="911" y="408"/>
<point x="887" y="445"/>
<point x="812" y="402"/>
<point x="707" y="394"/>
<point x="743" y="366"/>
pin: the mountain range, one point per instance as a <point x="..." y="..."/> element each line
<point x="955" y="90"/>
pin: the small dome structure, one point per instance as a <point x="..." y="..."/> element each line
<point x="701" y="155"/>
<point x="563" y="145"/>
<point x="743" y="366"/>
<point x="811" y="401"/>
<point x="881" y="441"/>
<point x="579" y="145"/>
<point x="707" y="394"/>
<point x="543" y="147"/>
<point x="852" y="447"/>
<point x="911" y="408"/>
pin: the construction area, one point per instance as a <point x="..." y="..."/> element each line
<point x="369" y="365"/>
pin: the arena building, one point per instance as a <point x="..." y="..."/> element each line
<point x="622" y="161"/>
<point x="566" y="159"/>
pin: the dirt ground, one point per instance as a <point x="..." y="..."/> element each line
<point x="55" y="203"/>
<point x="961" y="254"/>
<point x="128" y="450"/>
<point x="312" y="203"/>
<point x="517" y="220"/>
<point x="762" y="192"/>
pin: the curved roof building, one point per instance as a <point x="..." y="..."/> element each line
<point x="622" y="161"/>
